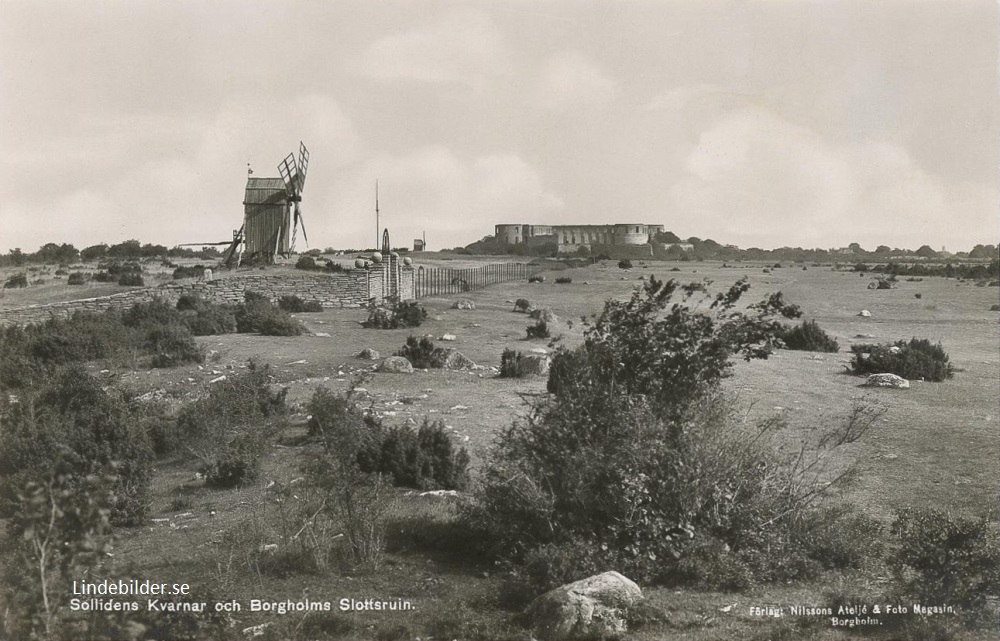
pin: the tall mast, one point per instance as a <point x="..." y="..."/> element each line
<point x="376" y="214"/>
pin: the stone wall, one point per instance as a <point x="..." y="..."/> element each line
<point x="350" y="289"/>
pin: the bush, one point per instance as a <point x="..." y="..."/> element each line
<point x="16" y="281"/>
<point x="809" y="337"/>
<point x="104" y="277"/>
<point x="76" y="278"/>
<point x="306" y="262"/>
<point x="536" y="279"/>
<point x="399" y="315"/>
<point x="421" y="352"/>
<point x="257" y="314"/>
<point x="918" y="359"/>
<point x="229" y="430"/>
<point x="539" y="330"/>
<point x="563" y="280"/>
<point x="294" y="304"/>
<point x="947" y="559"/>
<point x="189" y="272"/>
<point x="131" y="279"/>
<point x="625" y="263"/>
<point x="425" y="459"/>
<point x="172" y="345"/>
<point x="510" y="364"/>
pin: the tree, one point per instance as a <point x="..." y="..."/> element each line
<point x="882" y="249"/>
<point x="926" y="252"/>
<point x="94" y="252"/>
<point x="856" y="248"/>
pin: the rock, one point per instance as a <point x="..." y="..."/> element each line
<point x="594" y="607"/>
<point x="887" y="380"/>
<point x="865" y="313"/>
<point x="439" y="494"/>
<point x="463" y="303"/>
<point x="396" y="365"/>
<point x="523" y="305"/>
<point x="545" y="314"/>
<point x="451" y="358"/>
<point x="534" y="364"/>
<point x="873" y="285"/>
<point x="322" y="334"/>
<point x="369" y="354"/>
<point x="439" y="318"/>
<point x="448" y="337"/>
<point x="218" y="379"/>
<point x="894" y="349"/>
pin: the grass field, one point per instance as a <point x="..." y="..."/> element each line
<point x="936" y="446"/>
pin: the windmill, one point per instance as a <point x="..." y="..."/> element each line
<point x="294" y="177"/>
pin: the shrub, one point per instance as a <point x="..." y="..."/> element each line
<point x="563" y="280"/>
<point x="306" y="262"/>
<point x="510" y="364"/>
<point x="257" y="314"/>
<point x="625" y="263"/>
<point x="76" y="278"/>
<point x="294" y="304"/>
<point x="399" y="315"/>
<point x="946" y="559"/>
<point x="809" y="337"/>
<point x="229" y="430"/>
<point x="131" y="279"/>
<point x="885" y="283"/>
<point x="916" y="359"/>
<point x="918" y="295"/>
<point x="421" y="352"/>
<point x="536" y="279"/>
<point x="172" y="345"/>
<point x="16" y="281"/>
<point x="189" y="272"/>
<point x="61" y="272"/>
<point x="425" y="459"/>
<point x="539" y="330"/>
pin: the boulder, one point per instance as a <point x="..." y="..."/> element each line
<point x="593" y="608"/>
<point x="865" y="313"/>
<point x="448" y="337"/>
<point x="873" y="285"/>
<point x="523" y="305"/>
<point x="887" y="380"/>
<point x="369" y="354"/>
<point x="463" y="303"/>
<point x="534" y="364"/>
<point x="396" y="365"/>
<point x="451" y="358"/>
<point x="545" y="314"/>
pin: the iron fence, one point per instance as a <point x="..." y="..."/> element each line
<point x="439" y="281"/>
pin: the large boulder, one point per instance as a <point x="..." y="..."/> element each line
<point x="545" y="314"/>
<point x="864" y="313"/>
<point x="887" y="380"/>
<point x="593" y="608"/>
<point x="523" y="305"/>
<point x="451" y="358"/>
<point x="534" y="364"/>
<point x="463" y="303"/>
<point x="396" y="365"/>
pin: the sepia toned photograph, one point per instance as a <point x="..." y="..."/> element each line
<point x="511" y="320"/>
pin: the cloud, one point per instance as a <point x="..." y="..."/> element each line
<point x="759" y="177"/>
<point x="570" y="80"/>
<point x="453" y="199"/>
<point x="462" y="47"/>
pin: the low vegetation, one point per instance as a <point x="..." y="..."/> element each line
<point x="295" y="305"/>
<point x="16" y="281"/>
<point x="257" y="314"/>
<point x="539" y="330"/>
<point x="510" y="364"/>
<point x="398" y="315"/>
<point x="563" y="280"/>
<point x="809" y="337"/>
<point x="916" y="359"/>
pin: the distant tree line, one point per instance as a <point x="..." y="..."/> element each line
<point x="66" y="253"/>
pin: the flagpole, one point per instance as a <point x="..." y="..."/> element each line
<point x="376" y="214"/>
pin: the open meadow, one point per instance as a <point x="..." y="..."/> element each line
<point x="936" y="446"/>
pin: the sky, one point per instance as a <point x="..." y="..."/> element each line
<point x="760" y="123"/>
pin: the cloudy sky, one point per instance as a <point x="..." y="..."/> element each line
<point x="769" y="123"/>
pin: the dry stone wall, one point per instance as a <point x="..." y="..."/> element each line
<point x="350" y="289"/>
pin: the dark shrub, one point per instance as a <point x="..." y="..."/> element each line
<point x="335" y="268"/>
<point x="425" y="459"/>
<point x="536" y="279"/>
<point x="913" y="360"/>
<point x="104" y="277"/>
<point x="947" y="559"/>
<point x="61" y="272"/>
<point x="421" y="352"/>
<point x="83" y="337"/>
<point x="918" y="295"/>
<point x="203" y="318"/>
<point x="562" y="280"/>
<point x="280" y="325"/>
<point x="400" y="315"/>
<point x="257" y="314"/>
<point x="539" y="330"/>
<point x="306" y="262"/>
<point x="809" y="337"/>
<point x="172" y="345"/>
<point x="625" y="263"/>
<point x="16" y="281"/>
<point x="229" y="430"/>
<point x="72" y="422"/>
<point x="131" y="279"/>
<point x="510" y="364"/>
<point x="76" y="278"/>
<point x="294" y="304"/>
<point x="154" y="313"/>
<point x="189" y="272"/>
